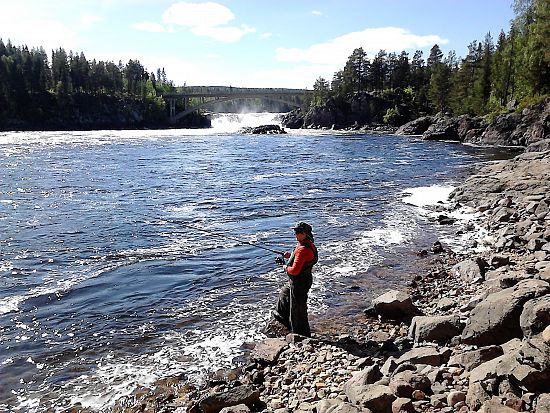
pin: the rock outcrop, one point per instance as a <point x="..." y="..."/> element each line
<point x="530" y="127"/>
<point x="263" y="130"/>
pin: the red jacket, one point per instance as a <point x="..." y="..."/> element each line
<point x="303" y="253"/>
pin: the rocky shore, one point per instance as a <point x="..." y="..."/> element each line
<point x="529" y="126"/>
<point x="470" y="335"/>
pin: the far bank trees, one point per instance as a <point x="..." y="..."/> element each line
<point x="516" y="68"/>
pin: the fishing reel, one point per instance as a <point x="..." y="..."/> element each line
<point x="279" y="260"/>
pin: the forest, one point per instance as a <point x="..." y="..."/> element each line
<point x="35" y="90"/>
<point x="68" y="90"/>
<point x="514" y="69"/>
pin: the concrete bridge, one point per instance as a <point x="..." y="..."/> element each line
<point x="199" y="97"/>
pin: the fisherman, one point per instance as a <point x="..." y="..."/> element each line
<point x="292" y="304"/>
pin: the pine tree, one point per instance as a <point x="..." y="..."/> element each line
<point x="378" y="71"/>
<point x="440" y="86"/>
<point x="321" y="92"/>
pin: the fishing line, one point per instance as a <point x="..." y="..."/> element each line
<point x="215" y="233"/>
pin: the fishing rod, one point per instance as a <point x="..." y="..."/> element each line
<point x="218" y="234"/>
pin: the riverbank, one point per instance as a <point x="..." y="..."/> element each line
<point x="86" y="112"/>
<point x="471" y="334"/>
<point x="518" y="127"/>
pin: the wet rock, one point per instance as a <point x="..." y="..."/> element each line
<point x="443" y="129"/>
<point x="445" y="220"/>
<point x="263" y="130"/>
<point x="498" y="261"/>
<point x="437" y="248"/>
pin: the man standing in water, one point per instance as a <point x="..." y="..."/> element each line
<point x="292" y="304"/>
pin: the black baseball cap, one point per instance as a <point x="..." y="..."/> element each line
<point x="302" y="227"/>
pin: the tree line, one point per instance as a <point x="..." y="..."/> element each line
<point x="516" y="68"/>
<point x="29" y="80"/>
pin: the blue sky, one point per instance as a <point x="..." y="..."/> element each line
<point x="249" y="43"/>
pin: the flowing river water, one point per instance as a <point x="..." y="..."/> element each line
<point x="106" y="286"/>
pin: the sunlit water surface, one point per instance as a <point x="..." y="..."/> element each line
<point x="105" y="285"/>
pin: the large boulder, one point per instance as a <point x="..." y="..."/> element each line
<point x="416" y="127"/>
<point x="495" y="406"/>
<point x="444" y="129"/>
<point x="247" y="395"/>
<point x="264" y="130"/>
<point x="527" y="364"/>
<point x="404" y="383"/>
<point x="375" y="397"/>
<point x="434" y="328"/>
<point x="473" y="358"/>
<point x="425" y="355"/>
<point x="543" y="403"/>
<point x="469" y="270"/>
<point x="539" y="146"/>
<point x="495" y="320"/>
<point x="395" y="304"/>
<point x="267" y="351"/>
<point x="293" y="119"/>
<point x="370" y="375"/>
<point x="525" y="175"/>
<point x="502" y="131"/>
<point x="535" y="316"/>
<point x="519" y="129"/>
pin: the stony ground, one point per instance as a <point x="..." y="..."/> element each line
<point x="471" y="334"/>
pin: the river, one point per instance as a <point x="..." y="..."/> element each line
<point x="108" y="280"/>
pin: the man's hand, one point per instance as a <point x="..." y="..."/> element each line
<point x="287" y="255"/>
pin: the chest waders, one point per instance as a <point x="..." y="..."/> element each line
<point x="292" y="303"/>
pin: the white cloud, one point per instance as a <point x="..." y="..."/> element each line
<point x="50" y="34"/>
<point x="266" y="35"/>
<point x="197" y="14"/>
<point x="336" y="51"/>
<point x="150" y="27"/>
<point x="299" y="77"/>
<point x="205" y="19"/>
<point x="316" y="13"/>
<point x="226" y="34"/>
<point x="88" y="20"/>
